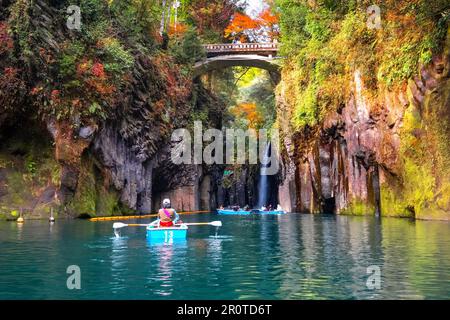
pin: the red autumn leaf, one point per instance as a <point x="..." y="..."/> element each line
<point x="98" y="70"/>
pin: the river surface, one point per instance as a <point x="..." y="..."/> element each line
<point x="291" y="256"/>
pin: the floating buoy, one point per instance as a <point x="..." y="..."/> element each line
<point x="20" y="219"/>
<point x="51" y="219"/>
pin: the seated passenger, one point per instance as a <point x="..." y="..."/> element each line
<point x="167" y="215"/>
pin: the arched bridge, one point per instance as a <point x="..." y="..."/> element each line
<point x="258" y="55"/>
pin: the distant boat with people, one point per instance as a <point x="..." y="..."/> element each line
<point x="236" y="210"/>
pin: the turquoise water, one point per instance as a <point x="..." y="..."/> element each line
<point x="292" y="256"/>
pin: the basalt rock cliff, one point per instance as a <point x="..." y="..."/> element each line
<point x="384" y="157"/>
<point x="109" y="154"/>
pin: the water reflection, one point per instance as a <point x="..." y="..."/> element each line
<point x="119" y="270"/>
<point x="51" y="227"/>
<point x="164" y="269"/>
<point x="19" y="228"/>
<point x="291" y="256"/>
<point x="214" y="253"/>
<point x="166" y="264"/>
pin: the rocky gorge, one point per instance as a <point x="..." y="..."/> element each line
<point x="86" y="121"/>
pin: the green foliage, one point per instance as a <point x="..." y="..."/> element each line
<point x="84" y="201"/>
<point x="200" y="115"/>
<point x="424" y="191"/>
<point x="189" y="49"/>
<point x="306" y="112"/>
<point x="292" y="24"/>
<point x="118" y="60"/>
<point x="92" y="9"/>
<point x="74" y="51"/>
<point x="30" y="165"/>
<point x="108" y="203"/>
<point x="358" y="207"/>
<point x="96" y="109"/>
<point x="419" y="184"/>
<point x="92" y="197"/>
<point x="392" y="205"/>
<point x="402" y="62"/>
<point x="317" y="26"/>
<point x="326" y="41"/>
<point x="91" y="69"/>
<point x="19" y="21"/>
<point x="96" y="31"/>
<point x="139" y="19"/>
<point x="259" y="89"/>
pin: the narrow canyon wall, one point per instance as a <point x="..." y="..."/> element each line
<point x="112" y="162"/>
<point x="387" y="156"/>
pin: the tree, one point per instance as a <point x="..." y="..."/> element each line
<point x="264" y="28"/>
<point x="242" y="28"/>
<point x="189" y="49"/>
<point x="211" y="17"/>
<point x="269" y="27"/>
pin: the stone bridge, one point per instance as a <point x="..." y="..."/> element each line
<point x="258" y="55"/>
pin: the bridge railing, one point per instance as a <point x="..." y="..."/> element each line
<point x="241" y="47"/>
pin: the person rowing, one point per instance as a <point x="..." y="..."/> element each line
<point x="168" y="217"/>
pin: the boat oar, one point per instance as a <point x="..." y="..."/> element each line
<point x="213" y="223"/>
<point x="118" y="225"/>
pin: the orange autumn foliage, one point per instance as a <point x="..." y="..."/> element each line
<point x="240" y="24"/>
<point x="269" y="21"/>
<point x="245" y="28"/>
<point x="178" y="29"/>
<point x="267" y="18"/>
<point x="249" y="112"/>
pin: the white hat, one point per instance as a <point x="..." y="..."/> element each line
<point x="166" y="201"/>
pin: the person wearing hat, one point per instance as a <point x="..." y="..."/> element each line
<point x="167" y="215"/>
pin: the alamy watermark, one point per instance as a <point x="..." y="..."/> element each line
<point x="374" y="19"/>
<point x="74" y="19"/>
<point x="374" y="280"/>
<point x="227" y="146"/>
<point x="74" y="280"/>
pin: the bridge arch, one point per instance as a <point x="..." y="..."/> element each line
<point x="258" y="55"/>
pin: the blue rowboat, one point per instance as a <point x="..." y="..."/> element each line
<point x="219" y="211"/>
<point x="257" y="211"/>
<point x="168" y="234"/>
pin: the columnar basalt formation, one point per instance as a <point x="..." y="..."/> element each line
<point x="106" y="166"/>
<point x="358" y="160"/>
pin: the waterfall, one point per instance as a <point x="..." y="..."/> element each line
<point x="263" y="184"/>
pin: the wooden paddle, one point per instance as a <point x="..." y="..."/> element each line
<point x="118" y="225"/>
<point x="213" y="223"/>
